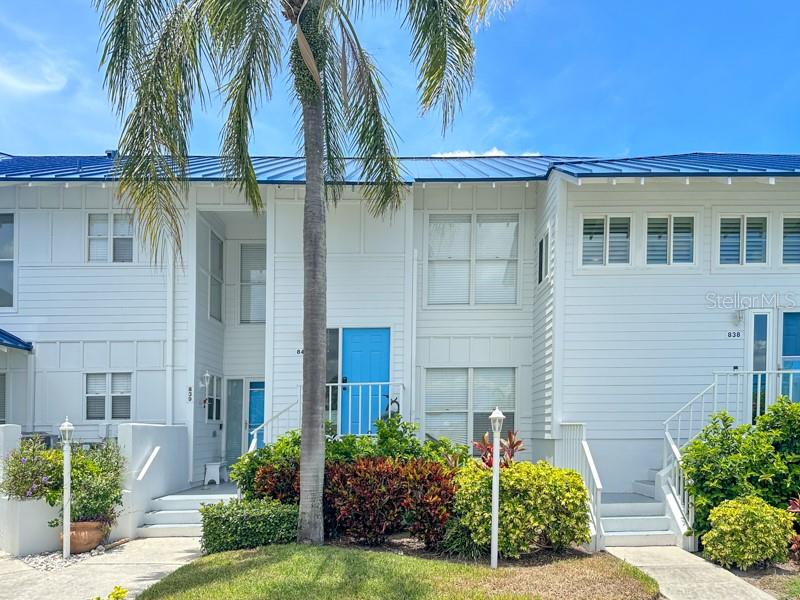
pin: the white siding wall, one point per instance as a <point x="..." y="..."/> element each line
<point x="474" y="336"/>
<point x="639" y="341"/>
<point x="84" y="317"/>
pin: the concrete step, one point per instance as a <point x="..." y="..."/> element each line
<point x="651" y="473"/>
<point x="633" y="524"/>
<point x="175" y="530"/>
<point x="640" y="538"/>
<point x="186" y="502"/>
<point x="172" y="517"/>
<point x="645" y="488"/>
<point x="630" y="505"/>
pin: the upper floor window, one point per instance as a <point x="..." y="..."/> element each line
<point x="108" y="394"/>
<point x="6" y="260"/>
<point x="670" y="240"/>
<point x="253" y="283"/>
<point x="791" y="240"/>
<point x="473" y="259"/>
<point x="544" y="259"/>
<point x="606" y="241"/>
<point x="215" y="267"/>
<point x="110" y="237"/>
<point x="742" y="240"/>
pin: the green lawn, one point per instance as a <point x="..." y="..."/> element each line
<point x="295" y="572"/>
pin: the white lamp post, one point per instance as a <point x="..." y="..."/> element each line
<point x="66" y="430"/>
<point x="496" y="419"/>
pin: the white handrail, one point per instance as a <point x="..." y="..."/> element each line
<point x="574" y="453"/>
<point x="676" y="479"/>
<point x="364" y="403"/>
<point x="263" y="427"/>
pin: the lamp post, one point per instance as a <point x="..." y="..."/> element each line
<point x="496" y="419"/>
<point x="66" y="430"/>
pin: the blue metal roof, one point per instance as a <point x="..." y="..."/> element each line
<point x="290" y="170"/>
<point x="9" y="340"/>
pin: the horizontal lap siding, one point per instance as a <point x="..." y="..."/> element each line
<point x="638" y="345"/>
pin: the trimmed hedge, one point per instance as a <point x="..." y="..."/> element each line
<point x="241" y="524"/>
<point x="429" y="500"/>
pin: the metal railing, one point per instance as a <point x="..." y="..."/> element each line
<point x="574" y="453"/>
<point x="353" y="408"/>
<point x="268" y="426"/>
<point x="676" y="480"/>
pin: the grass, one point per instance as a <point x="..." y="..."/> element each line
<point x="295" y="572"/>
<point x="782" y="587"/>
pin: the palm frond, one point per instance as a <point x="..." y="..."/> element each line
<point x="153" y="147"/>
<point x="247" y="41"/>
<point x="482" y="10"/>
<point x="443" y="50"/>
<point x="126" y="27"/>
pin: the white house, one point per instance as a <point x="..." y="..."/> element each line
<point x="590" y="299"/>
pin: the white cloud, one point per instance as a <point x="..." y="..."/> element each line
<point x="46" y="81"/>
<point x="494" y="151"/>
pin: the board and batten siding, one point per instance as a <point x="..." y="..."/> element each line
<point x="85" y="317"/>
<point x="640" y="341"/>
<point x="459" y="336"/>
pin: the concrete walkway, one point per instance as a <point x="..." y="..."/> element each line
<point x="684" y="576"/>
<point x="133" y="566"/>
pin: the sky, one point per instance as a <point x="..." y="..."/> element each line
<point x="562" y="77"/>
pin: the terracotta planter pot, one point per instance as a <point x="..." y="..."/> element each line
<point x="84" y="536"/>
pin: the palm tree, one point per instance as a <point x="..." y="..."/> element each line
<point x="161" y="56"/>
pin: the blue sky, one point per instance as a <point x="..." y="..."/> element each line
<point x="569" y="77"/>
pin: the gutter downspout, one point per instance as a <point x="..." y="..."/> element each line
<point x="169" y="345"/>
<point x="31" y="395"/>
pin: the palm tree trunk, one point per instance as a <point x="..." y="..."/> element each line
<point x="312" y="449"/>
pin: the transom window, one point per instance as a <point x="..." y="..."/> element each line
<point x="6" y="260"/>
<point x="110" y="237"/>
<point x="214" y="399"/>
<point x="473" y="258"/>
<point x="253" y="283"/>
<point x="742" y="240"/>
<point x="670" y="240"/>
<point x="606" y="241"/>
<point x="108" y="394"/>
<point x="215" y="266"/>
<point x="791" y="240"/>
<point x="458" y="402"/>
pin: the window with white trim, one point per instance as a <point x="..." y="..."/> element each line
<point x="108" y="396"/>
<point x="544" y="257"/>
<point x="670" y="240"/>
<point x="742" y="240"/>
<point x="3" y="405"/>
<point x="458" y="401"/>
<point x="606" y="241"/>
<point x="791" y="240"/>
<point x="215" y="266"/>
<point x="253" y="283"/>
<point x="214" y="399"/>
<point x="473" y="258"/>
<point x="110" y="238"/>
<point x="6" y="260"/>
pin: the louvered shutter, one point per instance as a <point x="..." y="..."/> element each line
<point x="120" y="395"/>
<point x="594" y="243"/>
<point x="449" y="239"/>
<point x="791" y="241"/>
<point x="446" y="404"/>
<point x="253" y="289"/>
<point x="657" y="240"/>
<point x="619" y="240"/>
<point x="756" y="240"/>
<point x="682" y="240"/>
<point x="95" y="396"/>
<point x="497" y="239"/>
<point x="730" y="241"/>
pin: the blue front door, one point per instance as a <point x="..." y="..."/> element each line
<point x="365" y="360"/>
<point x="256" y="411"/>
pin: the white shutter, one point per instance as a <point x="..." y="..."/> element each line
<point x="448" y="282"/>
<point x="449" y="240"/>
<point x="253" y="289"/>
<point x="594" y="243"/>
<point x="756" y="240"/>
<point x="3" y="409"/>
<point x="446" y="403"/>
<point x="730" y="241"/>
<point x="791" y="241"/>
<point x="682" y="240"/>
<point x="95" y="396"/>
<point x="619" y="240"/>
<point x="496" y="253"/>
<point x="492" y="387"/>
<point x="657" y="240"/>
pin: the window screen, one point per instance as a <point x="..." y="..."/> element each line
<point x="449" y="242"/>
<point x="253" y="288"/>
<point x="594" y="242"/>
<point x="791" y="240"/>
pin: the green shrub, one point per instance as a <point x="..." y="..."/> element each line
<point x="444" y="451"/>
<point x="782" y="421"/>
<point x="429" y="500"/>
<point x="244" y="471"/>
<point x="457" y="541"/>
<point x="31" y="471"/>
<point x="396" y="438"/>
<point x="349" y="448"/>
<point x="725" y="462"/>
<point x="240" y="524"/>
<point x="540" y="506"/>
<point x="746" y="532"/>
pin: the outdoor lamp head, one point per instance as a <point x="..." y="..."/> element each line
<point x="66" y="430"/>
<point x="496" y="419"/>
<point x="206" y="379"/>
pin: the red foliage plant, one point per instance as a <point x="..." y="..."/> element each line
<point x="508" y="448"/>
<point x="280" y="481"/>
<point x="429" y="502"/>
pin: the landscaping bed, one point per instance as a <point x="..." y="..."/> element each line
<point x="299" y="572"/>
<point x="782" y="581"/>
